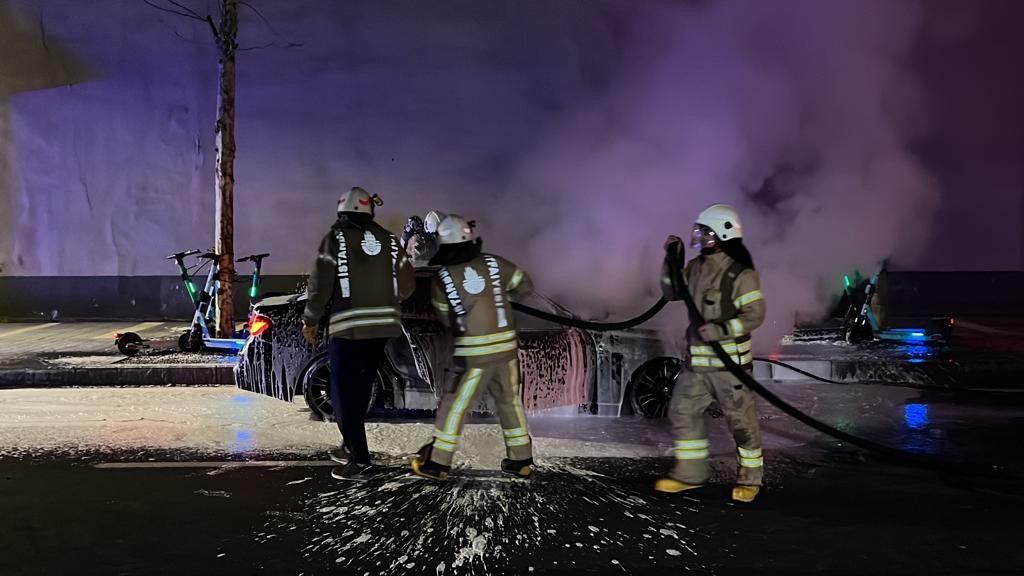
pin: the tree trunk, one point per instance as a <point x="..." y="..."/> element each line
<point x="228" y="43"/>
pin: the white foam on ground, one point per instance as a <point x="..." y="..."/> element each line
<point x="227" y="420"/>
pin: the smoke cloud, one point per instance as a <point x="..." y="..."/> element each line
<point x="801" y="113"/>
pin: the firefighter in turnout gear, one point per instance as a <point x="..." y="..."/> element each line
<point x="726" y="289"/>
<point x="359" y="281"/>
<point x="472" y="293"/>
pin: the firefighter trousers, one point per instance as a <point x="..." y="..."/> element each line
<point x="693" y="394"/>
<point x="465" y="389"/>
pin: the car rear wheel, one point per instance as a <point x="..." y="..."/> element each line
<point x="650" y="388"/>
<point x="316" y="386"/>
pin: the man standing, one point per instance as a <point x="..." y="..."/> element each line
<point x="726" y="289"/>
<point x="360" y="279"/>
<point x="472" y="294"/>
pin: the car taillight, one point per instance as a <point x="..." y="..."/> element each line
<point x="258" y="325"/>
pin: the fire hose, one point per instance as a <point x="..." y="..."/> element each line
<point x="745" y="377"/>
<point x="588" y="325"/>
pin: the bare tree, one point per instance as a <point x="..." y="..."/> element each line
<point x="225" y="34"/>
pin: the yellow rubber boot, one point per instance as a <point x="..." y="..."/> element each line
<point x="672" y="486"/>
<point x="746" y="494"/>
<point x="429" y="469"/>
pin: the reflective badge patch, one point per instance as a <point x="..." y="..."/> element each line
<point x="343" y="279"/>
<point x="473" y="282"/>
<point x="370" y="244"/>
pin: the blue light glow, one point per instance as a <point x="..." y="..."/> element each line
<point x="243" y="440"/>
<point x="915" y="416"/>
<point x="917" y="353"/>
<point x="904" y="335"/>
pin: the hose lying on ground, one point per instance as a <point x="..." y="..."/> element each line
<point x="911" y="385"/>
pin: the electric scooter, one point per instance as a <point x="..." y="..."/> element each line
<point x="861" y="325"/>
<point x="200" y="335"/>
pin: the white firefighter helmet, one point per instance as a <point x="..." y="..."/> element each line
<point x="433" y="220"/>
<point x="455" y="229"/>
<point x="723" y="220"/>
<point x="359" y="201"/>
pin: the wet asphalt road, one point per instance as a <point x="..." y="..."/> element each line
<point x="837" y="515"/>
<point x="590" y="510"/>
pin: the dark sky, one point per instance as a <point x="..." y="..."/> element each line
<point x="971" y="63"/>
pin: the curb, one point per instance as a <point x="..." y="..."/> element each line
<point x="106" y="376"/>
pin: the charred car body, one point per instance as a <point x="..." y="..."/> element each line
<point x="605" y="373"/>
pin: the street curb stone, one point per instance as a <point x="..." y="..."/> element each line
<point x="202" y="375"/>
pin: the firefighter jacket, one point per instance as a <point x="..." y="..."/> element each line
<point x="474" y="298"/>
<point x="360" y="279"/>
<point x="728" y="295"/>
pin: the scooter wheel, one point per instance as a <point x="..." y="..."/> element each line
<point x="186" y="343"/>
<point x="129" y="343"/>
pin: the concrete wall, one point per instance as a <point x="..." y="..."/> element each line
<point x="35" y="298"/>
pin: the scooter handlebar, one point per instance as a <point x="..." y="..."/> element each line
<point x="253" y="257"/>
<point x="178" y="255"/>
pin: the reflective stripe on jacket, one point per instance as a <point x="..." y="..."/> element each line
<point x="474" y="298"/>
<point x="362" y="273"/>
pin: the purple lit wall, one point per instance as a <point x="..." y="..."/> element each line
<point x="416" y="103"/>
<point x="578" y="134"/>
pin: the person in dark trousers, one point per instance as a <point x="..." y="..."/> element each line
<point x="360" y="279"/>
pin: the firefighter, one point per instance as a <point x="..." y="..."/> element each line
<point x="472" y="293"/>
<point x="360" y="278"/>
<point x="726" y="289"/>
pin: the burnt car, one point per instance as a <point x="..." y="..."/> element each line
<point x="604" y="373"/>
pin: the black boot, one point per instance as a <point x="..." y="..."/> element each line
<point x="519" y="468"/>
<point x="354" y="471"/>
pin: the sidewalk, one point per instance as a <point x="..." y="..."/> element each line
<point x="83" y="354"/>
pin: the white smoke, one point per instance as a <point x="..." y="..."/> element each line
<point x="815" y="95"/>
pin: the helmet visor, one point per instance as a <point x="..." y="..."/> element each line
<point x="702" y="237"/>
<point x="432" y="221"/>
